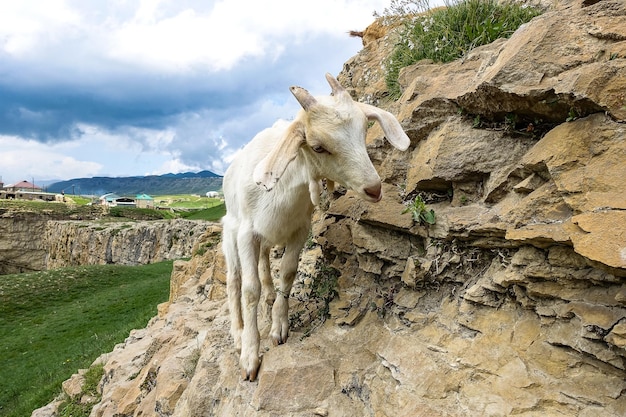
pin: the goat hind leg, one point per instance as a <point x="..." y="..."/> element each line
<point x="280" y="311"/>
<point x="267" y="284"/>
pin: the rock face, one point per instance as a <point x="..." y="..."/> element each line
<point x="125" y="243"/>
<point x="513" y="303"/>
<point x="35" y="241"/>
<point x="19" y="251"/>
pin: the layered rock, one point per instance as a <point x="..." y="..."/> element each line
<point x="70" y="243"/>
<point x="20" y="249"/>
<point x="513" y="303"/>
<point x="32" y="241"/>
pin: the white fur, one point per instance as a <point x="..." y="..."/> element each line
<point x="271" y="189"/>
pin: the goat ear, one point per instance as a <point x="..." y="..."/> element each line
<point x="391" y="127"/>
<point x="305" y="98"/>
<point x="269" y="170"/>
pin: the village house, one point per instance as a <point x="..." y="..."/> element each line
<point x="22" y="186"/>
<point x="144" y="201"/>
<point x="114" y="200"/>
<point x="25" y="190"/>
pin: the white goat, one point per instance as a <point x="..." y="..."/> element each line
<point x="271" y="188"/>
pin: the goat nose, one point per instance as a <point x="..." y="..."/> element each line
<point x="375" y="192"/>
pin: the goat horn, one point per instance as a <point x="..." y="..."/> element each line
<point x="334" y="85"/>
<point x="305" y="98"/>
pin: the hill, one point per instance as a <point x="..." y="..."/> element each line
<point x="183" y="183"/>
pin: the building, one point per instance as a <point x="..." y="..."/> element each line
<point x="25" y="190"/>
<point x="114" y="200"/>
<point x="144" y="201"/>
<point x="23" y="186"/>
<point x="108" y="199"/>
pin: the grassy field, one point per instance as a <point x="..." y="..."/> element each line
<point x="212" y="214"/>
<point x="54" y="322"/>
<point x="186" y="201"/>
<point x="187" y="206"/>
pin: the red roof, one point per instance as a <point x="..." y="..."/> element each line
<point x="24" y="185"/>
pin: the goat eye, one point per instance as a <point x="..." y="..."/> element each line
<point x="318" y="149"/>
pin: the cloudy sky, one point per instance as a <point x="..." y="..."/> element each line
<point x="138" y="87"/>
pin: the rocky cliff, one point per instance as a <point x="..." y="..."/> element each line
<point x="38" y="241"/>
<point x="513" y="303"/>
<point x="126" y="243"/>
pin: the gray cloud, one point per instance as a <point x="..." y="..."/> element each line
<point x="50" y="93"/>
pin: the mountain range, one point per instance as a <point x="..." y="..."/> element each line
<point x="182" y="183"/>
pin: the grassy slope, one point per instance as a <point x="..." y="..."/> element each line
<point x="55" y="322"/>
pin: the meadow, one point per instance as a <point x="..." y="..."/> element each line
<point x="188" y="206"/>
<point x="53" y="323"/>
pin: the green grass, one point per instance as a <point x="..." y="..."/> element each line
<point x="187" y="201"/>
<point x="134" y="213"/>
<point x="50" y="208"/>
<point x="211" y="214"/>
<point x="446" y="34"/>
<point x="75" y="406"/>
<point x="53" y="323"/>
<point x="185" y="205"/>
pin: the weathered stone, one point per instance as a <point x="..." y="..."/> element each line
<point x="587" y="172"/>
<point x="617" y="335"/>
<point x="527" y="255"/>
<point x="530" y="184"/>
<point x="73" y="386"/>
<point x="127" y="243"/>
<point x="603" y="238"/>
<point x="413" y="271"/>
<point x="457" y="153"/>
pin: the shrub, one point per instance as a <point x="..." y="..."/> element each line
<point x="446" y="34"/>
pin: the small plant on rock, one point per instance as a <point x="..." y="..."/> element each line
<point x="421" y="214"/>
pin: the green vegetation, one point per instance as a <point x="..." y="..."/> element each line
<point x="134" y="213"/>
<point x="55" y="322"/>
<point x="187" y="206"/>
<point x="324" y="287"/>
<point x="76" y="406"/>
<point x="186" y="201"/>
<point x="57" y="210"/>
<point x="315" y="294"/>
<point x="420" y="212"/>
<point x="211" y="214"/>
<point x="445" y="34"/>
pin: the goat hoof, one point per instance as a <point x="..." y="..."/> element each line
<point x="279" y="340"/>
<point x="249" y="375"/>
<point x="250" y="371"/>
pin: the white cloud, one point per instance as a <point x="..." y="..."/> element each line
<point x="173" y="165"/>
<point x="26" y="25"/>
<point x="27" y="159"/>
<point x="172" y="35"/>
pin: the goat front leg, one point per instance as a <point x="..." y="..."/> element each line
<point x="233" y="280"/>
<point x="248" y="246"/>
<point x="280" y="311"/>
